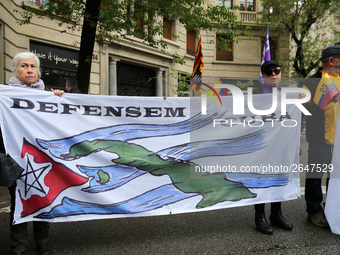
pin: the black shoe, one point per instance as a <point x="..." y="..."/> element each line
<point x="262" y="225"/>
<point x="44" y="249"/>
<point x="18" y="253"/>
<point x="277" y="220"/>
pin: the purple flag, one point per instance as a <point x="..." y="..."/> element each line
<point x="266" y="53"/>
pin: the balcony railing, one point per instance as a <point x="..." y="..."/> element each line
<point x="248" y="17"/>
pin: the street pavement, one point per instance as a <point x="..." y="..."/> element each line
<point x="227" y="231"/>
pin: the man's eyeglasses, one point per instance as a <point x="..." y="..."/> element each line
<point x="270" y="72"/>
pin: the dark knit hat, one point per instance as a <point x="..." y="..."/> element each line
<point x="269" y="63"/>
<point x="330" y="51"/>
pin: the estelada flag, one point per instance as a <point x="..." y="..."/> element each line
<point x="199" y="65"/>
<point x="325" y="91"/>
<point x="198" y="69"/>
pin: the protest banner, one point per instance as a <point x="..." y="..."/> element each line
<point x="96" y="157"/>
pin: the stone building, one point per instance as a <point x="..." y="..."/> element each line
<point x="143" y="70"/>
<point x="323" y="33"/>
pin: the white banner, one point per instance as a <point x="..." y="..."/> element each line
<point x="94" y="157"/>
<point x="332" y="208"/>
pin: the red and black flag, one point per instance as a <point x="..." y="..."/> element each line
<point x="196" y="77"/>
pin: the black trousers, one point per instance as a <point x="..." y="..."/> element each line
<point x="19" y="233"/>
<point x="319" y="156"/>
<point x="275" y="207"/>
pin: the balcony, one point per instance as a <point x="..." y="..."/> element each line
<point x="248" y="17"/>
<point x="247" y="10"/>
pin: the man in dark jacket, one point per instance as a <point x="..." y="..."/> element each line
<point x="320" y="131"/>
<point x="71" y="86"/>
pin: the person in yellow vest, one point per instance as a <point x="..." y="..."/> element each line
<point x="320" y="131"/>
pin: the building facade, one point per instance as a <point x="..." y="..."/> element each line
<point x="142" y="70"/>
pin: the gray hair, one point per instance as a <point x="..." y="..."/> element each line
<point x="71" y="81"/>
<point x="25" y="55"/>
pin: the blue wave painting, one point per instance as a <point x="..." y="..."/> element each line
<point x="151" y="200"/>
<point x="128" y="132"/>
<point x="225" y="147"/>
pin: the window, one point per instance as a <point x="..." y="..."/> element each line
<point x="54" y="73"/>
<point x="139" y="23"/>
<point x="37" y="2"/>
<point x="139" y="17"/>
<point x="167" y="25"/>
<point x="129" y="85"/>
<point x="227" y="3"/>
<point x="247" y="5"/>
<point x="139" y="28"/>
<point x="222" y="54"/>
<point x="191" y="43"/>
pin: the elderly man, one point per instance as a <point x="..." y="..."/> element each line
<point x="71" y="86"/>
<point x="320" y="131"/>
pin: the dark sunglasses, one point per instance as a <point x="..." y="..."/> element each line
<point x="270" y="72"/>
